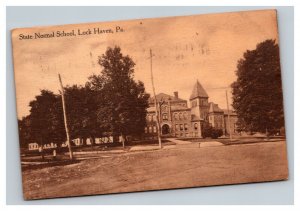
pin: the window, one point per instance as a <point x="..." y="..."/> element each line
<point x="185" y="127"/>
<point x="154" y="129"/>
<point x="184" y="115"/>
<point x="196" y="126"/>
<point x="181" y="127"/>
<point x="177" y="127"/>
<point x="146" y="130"/>
<point x="165" y="116"/>
<point x="154" y="117"/>
<point x="164" y="108"/>
<point x="180" y="116"/>
<point x="194" y="103"/>
<point x="150" y="129"/>
<point x="176" y="116"/>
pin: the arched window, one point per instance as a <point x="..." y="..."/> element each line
<point x="146" y="130"/>
<point x="180" y="116"/>
<point x="154" y="129"/>
<point x="196" y="126"/>
<point x="185" y="127"/>
<point x="181" y="127"/>
<point x="165" y="108"/>
<point x="184" y="115"/>
<point x="165" y="116"/>
<point x="176" y="116"/>
<point x="150" y="129"/>
<point x="177" y="127"/>
<point x="154" y="117"/>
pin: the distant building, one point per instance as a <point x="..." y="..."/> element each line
<point x="35" y="146"/>
<point x="179" y="120"/>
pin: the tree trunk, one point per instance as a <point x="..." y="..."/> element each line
<point x="123" y="140"/>
<point x="92" y="141"/>
<point x="115" y="138"/>
<point x="84" y="141"/>
<point x="42" y="153"/>
<point x="42" y="149"/>
<point x="267" y="133"/>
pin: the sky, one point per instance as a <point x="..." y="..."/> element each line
<point x="185" y="49"/>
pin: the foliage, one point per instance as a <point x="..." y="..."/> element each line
<point x="209" y="131"/>
<point x="122" y="100"/>
<point x="24" y="131"/>
<point x="257" y="93"/>
<point x="81" y="108"/>
<point x="111" y="103"/>
<point x="46" y="118"/>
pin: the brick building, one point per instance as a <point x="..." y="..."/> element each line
<point x="179" y="120"/>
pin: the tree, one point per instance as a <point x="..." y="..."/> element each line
<point x="46" y="119"/>
<point x="122" y="101"/>
<point x="257" y="93"/>
<point x="24" y="131"/>
<point x="81" y="112"/>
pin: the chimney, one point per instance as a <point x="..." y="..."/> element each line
<point x="176" y="95"/>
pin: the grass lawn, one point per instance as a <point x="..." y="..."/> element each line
<point x="159" y="169"/>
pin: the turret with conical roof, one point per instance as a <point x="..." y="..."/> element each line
<point x="198" y="91"/>
<point x="199" y="102"/>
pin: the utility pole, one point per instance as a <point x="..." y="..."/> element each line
<point x="65" y="117"/>
<point x="229" y="126"/>
<point x="155" y="102"/>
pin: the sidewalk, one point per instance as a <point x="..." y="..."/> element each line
<point x="179" y="142"/>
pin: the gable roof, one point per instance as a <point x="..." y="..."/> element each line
<point x="214" y="108"/>
<point x="231" y="112"/>
<point x="198" y="91"/>
<point x="165" y="97"/>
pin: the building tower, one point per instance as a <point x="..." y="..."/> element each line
<point x="199" y="109"/>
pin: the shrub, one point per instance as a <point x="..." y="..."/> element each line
<point x="209" y="131"/>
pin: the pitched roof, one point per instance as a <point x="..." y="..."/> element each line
<point x="214" y="108"/>
<point x="165" y="97"/>
<point x="195" y="118"/>
<point x="179" y="108"/>
<point x="198" y="91"/>
<point x="231" y="112"/>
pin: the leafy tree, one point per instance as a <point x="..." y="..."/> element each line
<point x="122" y="101"/>
<point x="46" y="119"/>
<point x="81" y="112"/>
<point x="24" y="131"/>
<point x="257" y="93"/>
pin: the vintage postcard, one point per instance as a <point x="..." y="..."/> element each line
<point x="149" y="104"/>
